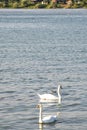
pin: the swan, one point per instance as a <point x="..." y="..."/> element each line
<point x="51" y="97"/>
<point x="47" y="119"/>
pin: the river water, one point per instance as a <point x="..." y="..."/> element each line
<point x="40" y="49"/>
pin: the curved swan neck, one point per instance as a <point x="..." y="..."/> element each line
<point x="40" y="115"/>
<point x="59" y="90"/>
<point x="59" y="95"/>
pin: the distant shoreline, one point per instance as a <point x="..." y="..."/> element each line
<point x="46" y="4"/>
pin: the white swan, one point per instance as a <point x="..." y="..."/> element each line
<point x="47" y="119"/>
<point x="51" y="97"/>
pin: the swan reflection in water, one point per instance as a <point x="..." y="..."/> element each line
<point x="40" y="126"/>
<point x="46" y="119"/>
<point x="43" y="126"/>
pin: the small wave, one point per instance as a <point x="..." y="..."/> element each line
<point x="7" y="92"/>
<point x="73" y="104"/>
<point x="2" y="98"/>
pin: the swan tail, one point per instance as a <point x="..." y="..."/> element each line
<point x="39" y="95"/>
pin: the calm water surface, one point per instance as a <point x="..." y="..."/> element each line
<point x="40" y="49"/>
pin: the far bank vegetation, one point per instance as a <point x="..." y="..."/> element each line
<point x="34" y="4"/>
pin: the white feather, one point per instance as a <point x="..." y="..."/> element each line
<point x="50" y="96"/>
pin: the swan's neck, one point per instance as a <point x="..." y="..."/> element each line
<point x="40" y="115"/>
<point x="59" y="95"/>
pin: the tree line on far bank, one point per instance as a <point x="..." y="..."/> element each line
<point x="43" y="4"/>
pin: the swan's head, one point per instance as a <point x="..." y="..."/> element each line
<point x="60" y="86"/>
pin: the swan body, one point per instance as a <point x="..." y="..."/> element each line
<point x="51" y="96"/>
<point x="47" y="119"/>
<point x="47" y="97"/>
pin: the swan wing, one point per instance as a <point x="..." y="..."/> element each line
<point x="49" y="119"/>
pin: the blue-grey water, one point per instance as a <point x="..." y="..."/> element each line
<point x="40" y="49"/>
